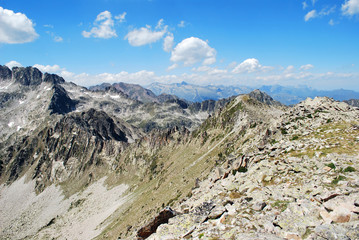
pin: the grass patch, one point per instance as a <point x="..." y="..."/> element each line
<point x="338" y="179"/>
<point x="349" y="169"/>
<point x="295" y="137"/>
<point x="331" y="165"/>
<point x="280" y="205"/>
<point x="234" y="195"/>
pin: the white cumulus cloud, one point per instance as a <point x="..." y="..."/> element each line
<point x="48" y="68"/>
<point x="16" y="27"/>
<point x="350" y="7"/>
<point x="168" y="42"/>
<point x="144" y="35"/>
<point x="310" y="15"/>
<point x="193" y="50"/>
<point x="249" y="65"/>
<point x="306" y="67"/>
<point x="103" y="27"/>
<point x="12" y="64"/>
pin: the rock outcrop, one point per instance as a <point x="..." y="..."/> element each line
<point x="5" y="73"/>
<point x="60" y="103"/>
<point x="28" y="76"/>
<point x="264" y="98"/>
<point x="151" y="227"/>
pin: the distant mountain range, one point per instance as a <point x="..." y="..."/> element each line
<point x="283" y="94"/>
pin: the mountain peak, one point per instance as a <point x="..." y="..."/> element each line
<point x="263" y="97"/>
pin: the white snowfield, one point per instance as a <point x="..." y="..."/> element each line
<point x="82" y="216"/>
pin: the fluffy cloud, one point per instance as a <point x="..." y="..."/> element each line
<point x="144" y="35"/>
<point x="103" y="27"/>
<point x="16" y="27"/>
<point x="168" y="42"/>
<point x="289" y="69"/>
<point x="310" y="15"/>
<point x="48" y="68"/>
<point x="250" y="65"/>
<point x="193" y="50"/>
<point x="209" y="70"/>
<point x="350" y="7"/>
<point x="306" y="67"/>
<point x="12" y="64"/>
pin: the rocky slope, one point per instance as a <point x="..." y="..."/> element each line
<point x="81" y="164"/>
<point x="299" y="183"/>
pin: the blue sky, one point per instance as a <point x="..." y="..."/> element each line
<point x="229" y="42"/>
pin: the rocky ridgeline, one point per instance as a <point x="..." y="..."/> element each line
<point x="28" y="76"/>
<point x="301" y="183"/>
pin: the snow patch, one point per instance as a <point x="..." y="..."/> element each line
<point x="114" y="96"/>
<point x="21" y="102"/>
<point x="11" y="124"/>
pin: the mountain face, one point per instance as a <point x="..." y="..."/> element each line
<point x="83" y="164"/>
<point x="353" y="102"/>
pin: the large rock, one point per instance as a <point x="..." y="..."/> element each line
<point x="150" y="228"/>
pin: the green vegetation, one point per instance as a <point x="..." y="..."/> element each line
<point x="295" y="137"/>
<point x="338" y="179"/>
<point x="349" y="169"/>
<point x="331" y="165"/>
<point x="280" y="205"/>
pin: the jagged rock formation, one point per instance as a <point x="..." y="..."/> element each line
<point x="353" y="102"/>
<point x="5" y="73"/>
<point x="53" y="78"/>
<point x="264" y="98"/>
<point x="75" y="144"/>
<point x="134" y="91"/>
<point x="61" y="102"/>
<point x="28" y="76"/>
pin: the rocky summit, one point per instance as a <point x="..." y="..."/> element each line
<point x="119" y="162"/>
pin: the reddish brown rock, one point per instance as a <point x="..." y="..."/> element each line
<point x="150" y="228"/>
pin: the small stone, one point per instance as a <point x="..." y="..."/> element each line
<point x="292" y="236"/>
<point x="217" y="212"/>
<point x="258" y="206"/>
<point x="327" y="169"/>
